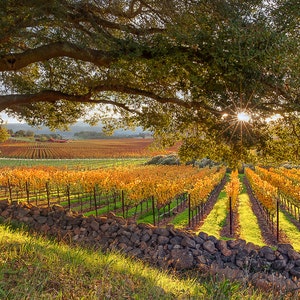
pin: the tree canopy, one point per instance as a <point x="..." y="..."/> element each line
<point x="187" y="70"/>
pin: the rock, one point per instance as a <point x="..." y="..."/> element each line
<point x="4" y="204"/>
<point x="284" y="248"/>
<point x="136" y="252"/>
<point x="278" y="265"/>
<point x="295" y="272"/>
<point x="176" y="240"/>
<point x="161" y="231"/>
<point x="124" y="239"/>
<point x="290" y="285"/>
<point x="199" y="240"/>
<point x="153" y="240"/>
<point x="236" y="244"/>
<point x="182" y="259"/>
<point x="203" y="236"/>
<point x="188" y="242"/>
<point x="131" y="226"/>
<point x="57" y="207"/>
<point x="122" y="246"/>
<point x="95" y="225"/>
<point x="135" y="238"/>
<point x="104" y="227"/>
<point x="229" y="273"/>
<point x="45" y="228"/>
<point x="209" y="246"/>
<point x="113" y="227"/>
<point x="251" y="248"/>
<point x="162" y="240"/>
<point x="50" y="221"/>
<point x="293" y="255"/>
<point x="41" y="219"/>
<point x="23" y="212"/>
<point x="160" y="253"/>
<point x="201" y="259"/>
<point x="76" y="221"/>
<point x="265" y="250"/>
<point x="270" y="256"/>
<point x="222" y="246"/>
<point x="143" y="246"/>
<point x="5" y="213"/>
<point x="145" y="237"/>
<point x="242" y="259"/>
<point x="123" y="232"/>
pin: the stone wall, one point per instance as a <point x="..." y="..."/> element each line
<point x="167" y="247"/>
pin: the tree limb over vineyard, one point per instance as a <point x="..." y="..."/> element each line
<point x="184" y="69"/>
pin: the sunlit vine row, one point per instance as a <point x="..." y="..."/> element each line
<point x="265" y="192"/>
<point x="137" y="183"/>
<point x="293" y="174"/>
<point x="281" y="179"/>
<point x="202" y="188"/>
<point x="233" y="188"/>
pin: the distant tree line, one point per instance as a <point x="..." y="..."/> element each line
<point x="5" y="134"/>
<point x="87" y="135"/>
<point x="31" y="134"/>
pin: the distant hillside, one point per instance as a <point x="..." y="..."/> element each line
<point x="78" y="127"/>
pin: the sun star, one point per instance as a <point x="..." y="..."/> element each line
<point x="243" y="117"/>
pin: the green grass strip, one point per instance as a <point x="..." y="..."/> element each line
<point x="290" y="230"/>
<point x="217" y="217"/>
<point x="132" y="210"/>
<point x="148" y="217"/>
<point x="105" y="209"/>
<point x="181" y="220"/>
<point x="72" y="163"/>
<point x="249" y="228"/>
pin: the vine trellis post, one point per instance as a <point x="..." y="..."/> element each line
<point x="48" y="193"/>
<point x="123" y="203"/>
<point x="189" y="203"/>
<point x="277" y="217"/>
<point x="153" y="210"/>
<point x="95" y="200"/>
<point x="27" y="191"/>
<point x="68" y="196"/>
<point x="230" y="215"/>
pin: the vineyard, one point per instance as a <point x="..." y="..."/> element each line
<point x="182" y="195"/>
<point x="123" y="190"/>
<point x="105" y="148"/>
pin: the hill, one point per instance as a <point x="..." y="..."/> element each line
<point x="78" y="127"/>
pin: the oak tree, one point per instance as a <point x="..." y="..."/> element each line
<point x="206" y="73"/>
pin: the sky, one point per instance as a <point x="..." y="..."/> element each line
<point x="8" y="119"/>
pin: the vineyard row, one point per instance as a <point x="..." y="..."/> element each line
<point x="127" y="187"/>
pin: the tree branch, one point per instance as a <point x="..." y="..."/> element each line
<point x="51" y="96"/>
<point x="114" y="87"/>
<point x="16" y="61"/>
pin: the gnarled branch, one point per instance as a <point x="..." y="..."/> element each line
<point x="17" y="61"/>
